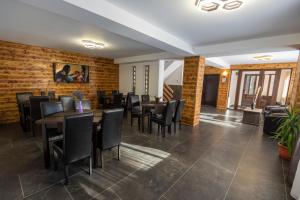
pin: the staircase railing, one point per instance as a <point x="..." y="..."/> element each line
<point x="168" y="93"/>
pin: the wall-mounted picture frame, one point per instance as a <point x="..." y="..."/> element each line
<point x="70" y="73"/>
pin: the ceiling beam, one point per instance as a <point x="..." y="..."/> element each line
<point x="268" y="44"/>
<point x="147" y="57"/>
<point x="103" y="14"/>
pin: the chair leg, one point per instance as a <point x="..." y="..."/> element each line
<point x="101" y="159"/>
<point x="55" y="165"/>
<point x="169" y="128"/>
<point x="143" y="128"/>
<point x="118" y="152"/>
<point x="148" y="122"/>
<point x="179" y="124"/>
<point x="139" y="123"/>
<point x="91" y="166"/>
<point x="158" y="128"/>
<point x="32" y="128"/>
<point x="27" y="125"/>
<point x="150" y="126"/>
<point x="164" y="131"/>
<point x="55" y="161"/>
<point x="174" y="127"/>
<point x="66" y="174"/>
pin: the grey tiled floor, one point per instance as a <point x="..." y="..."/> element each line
<point x="219" y="159"/>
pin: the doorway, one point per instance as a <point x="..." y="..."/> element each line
<point x="250" y="88"/>
<point x="210" y="89"/>
<point x="263" y="87"/>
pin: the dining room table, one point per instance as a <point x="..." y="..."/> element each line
<point x="151" y="107"/>
<point x="57" y="120"/>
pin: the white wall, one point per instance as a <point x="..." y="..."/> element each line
<point x="125" y="78"/>
<point x="176" y="78"/>
<point x="160" y="78"/>
<point x="233" y="85"/>
<point x="283" y="85"/>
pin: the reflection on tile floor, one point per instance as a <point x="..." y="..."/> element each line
<point x="219" y="159"/>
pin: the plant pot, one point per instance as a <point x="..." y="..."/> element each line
<point x="283" y="152"/>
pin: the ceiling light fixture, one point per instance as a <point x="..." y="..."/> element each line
<point x="92" y="45"/>
<point x="211" y="5"/>
<point x="232" y="5"/>
<point x="264" y="57"/>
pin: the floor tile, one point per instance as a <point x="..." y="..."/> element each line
<point x="198" y="162"/>
<point x="57" y="192"/>
<point x="202" y="181"/>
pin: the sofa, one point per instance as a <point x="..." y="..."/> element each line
<point x="272" y="118"/>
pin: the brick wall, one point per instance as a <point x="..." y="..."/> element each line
<point x="29" y="68"/>
<point x="192" y="89"/>
<point x="295" y="90"/>
<point x="223" y="86"/>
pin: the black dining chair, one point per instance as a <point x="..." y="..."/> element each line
<point x="22" y="97"/>
<point x="127" y="105"/>
<point x="117" y="100"/>
<point x="50" y="108"/>
<point x="86" y="104"/>
<point x="51" y="95"/>
<point x="109" y="135"/>
<point x="77" y="142"/>
<point x="178" y="113"/>
<point x="51" y="132"/>
<point x="145" y="98"/>
<point x="114" y="92"/>
<point x="67" y="102"/>
<point x="135" y="110"/>
<point x="35" y="110"/>
<point x="102" y="100"/>
<point x="165" y="119"/>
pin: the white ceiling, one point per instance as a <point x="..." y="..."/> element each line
<point x="278" y="57"/>
<point x="138" y="29"/>
<point x="255" y="19"/>
<point x="30" y="25"/>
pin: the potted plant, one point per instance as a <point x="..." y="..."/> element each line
<point x="287" y="134"/>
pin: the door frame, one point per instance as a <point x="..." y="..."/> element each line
<point x="204" y="89"/>
<point x="257" y="81"/>
<point x="261" y="79"/>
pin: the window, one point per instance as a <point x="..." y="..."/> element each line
<point x="146" y="79"/>
<point x="133" y="79"/>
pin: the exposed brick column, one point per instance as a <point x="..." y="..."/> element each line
<point x="295" y="93"/>
<point x="192" y="89"/>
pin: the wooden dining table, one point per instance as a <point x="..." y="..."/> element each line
<point x="57" y="120"/>
<point x="156" y="107"/>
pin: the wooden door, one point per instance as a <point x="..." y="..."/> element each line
<point x="269" y="88"/>
<point x="210" y="90"/>
<point x="250" y="88"/>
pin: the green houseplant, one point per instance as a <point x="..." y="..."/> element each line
<point x="287" y="133"/>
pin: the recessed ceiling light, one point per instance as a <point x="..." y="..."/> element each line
<point x="211" y="5"/>
<point x="264" y="57"/>
<point x="92" y="45"/>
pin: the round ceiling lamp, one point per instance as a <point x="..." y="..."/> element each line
<point x="92" y="45"/>
<point x="212" y="5"/>
<point x="264" y="57"/>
